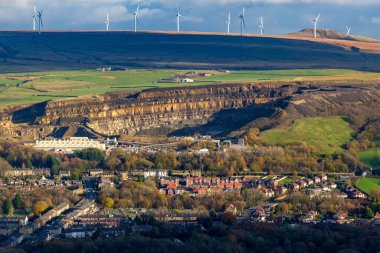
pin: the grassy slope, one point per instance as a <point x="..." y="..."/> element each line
<point x="328" y="134"/>
<point x="26" y="88"/>
<point x="367" y="184"/>
<point x="371" y="158"/>
<point x="64" y="84"/>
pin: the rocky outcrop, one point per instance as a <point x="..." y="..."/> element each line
<point x="219" y="108"/>
<point x="131" y="113"/>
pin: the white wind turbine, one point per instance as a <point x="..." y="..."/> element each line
<point x="261" y="26"/>
<point x="40" y="23"/>
<point x="348" y="30"/>
<point x="242" y="21"/>
<point x="34" y="18"/>
<point x="107" y="22"/>
<point x="315" y="20"/>
<point x="136" y="16"/>
<point x="179" y="16"/>
<point x="228" y="22"/>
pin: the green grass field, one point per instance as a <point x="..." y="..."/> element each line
<point x="371" y="158"/>
<point x="247" y="76"/>
<point x="27" y="88"/>
<point x="328" y="134"/>
<point x="367" y="184"/>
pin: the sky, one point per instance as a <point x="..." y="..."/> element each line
<point x="280" y="16"/>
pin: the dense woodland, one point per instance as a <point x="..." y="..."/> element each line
<point x="253" y="237"/>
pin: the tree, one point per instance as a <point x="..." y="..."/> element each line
<point x="18" y="201"/>
<point x="91" y="154"/>
<point x="109" y="202"/>
<point x="51" y="162"/>
<point x="8" y="207"/>
<point x="368" y="213"/>
<point x="39" y="207"/>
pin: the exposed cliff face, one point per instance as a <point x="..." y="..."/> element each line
<point x="223" y="109"/>
<point x="130" y="113"/>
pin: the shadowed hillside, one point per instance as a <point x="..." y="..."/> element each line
<point x="26" y="51"/>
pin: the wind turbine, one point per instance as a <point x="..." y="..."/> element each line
<point x="348" y="29"/>
<point x="40" y="23"/>
<point x="179" y="16"/>
<point x="34" y="18"/>
<point x="136" y="15"/>
<point x="315" y="20"/>
<point x="242" y="21"/>
<point x="228" y="21"/>
<point x="261" y="26"/>
<point x="107" y="22"/>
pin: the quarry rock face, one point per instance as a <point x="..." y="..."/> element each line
<point x="130" y="113"/>
<point x="221" y="108"/>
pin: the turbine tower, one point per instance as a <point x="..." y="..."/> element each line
<point x="179" y="16"/>
<point x="348" y="30"/>
<point x="40" y="23"/>
<point x="34" y="18"/>
<point x="228" y="22"/>
<point x="136" y="16"/>
<point x="242" y="21"/>
<point x="107" y="22"/>
<point x="261" y="26"/>
<point x="315" y="20"/>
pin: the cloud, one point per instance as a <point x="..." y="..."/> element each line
<point x="281" y="16"/>
<point x="376" y="20"/>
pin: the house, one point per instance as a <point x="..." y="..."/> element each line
<point x="376" y="219"/>
<point x="54" y="230"/>
<point x="340" y="217"/>
<point x="269" y="193"/>
<point x="180" y="173"/>
<point x="21" y="221"/>
<point x="177" y="218"/>
<point x="231" y="209"/>
<point x="150" y="173"/>
<point x="28" y="229"/>
<point x="309" y="182"/>
<point x="123" y="176"/>
<point x="64" y="173"/>
<point x="316" y="180"/>
<point x="21" y="172"/>
<point x="308" y="217"/>
<point x="102" y="220"/>
<point x="356" y="194"/>
<point x="10" y="225"/>
<point x="302" y="184"/>
<point x="80" y="232"/>
<point x="281" y="190"/>
<point x="259" y="214"/>
<point x="187" y="80"/>
<point x="322" y="178"/>
<point x="170" y="80"/>
<point x="95" y="172"/>
<point x="294" y="187"/>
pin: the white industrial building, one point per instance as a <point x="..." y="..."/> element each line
<point x="68" y="145"/>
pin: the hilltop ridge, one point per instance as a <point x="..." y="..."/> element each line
<point x="331" y="34"/>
